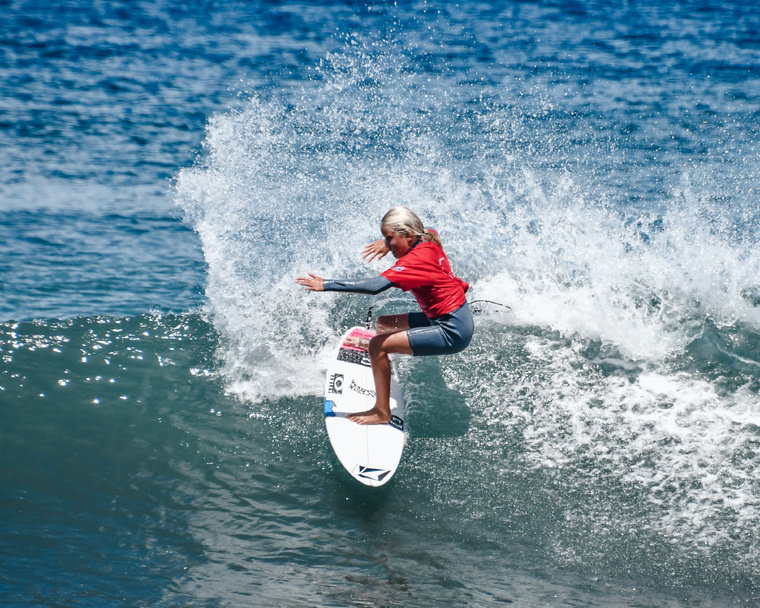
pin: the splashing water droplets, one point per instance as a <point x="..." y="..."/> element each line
<point x="602" y="367"/>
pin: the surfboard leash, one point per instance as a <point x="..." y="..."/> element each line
<point x="509" y="308"/>
<point x="368" y="322"/>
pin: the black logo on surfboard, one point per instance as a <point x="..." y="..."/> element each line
<point x="371" y="472"/>
<point x="335" y="385"/>
<point x="367" y="392"/>
<point x="350" y="355"/>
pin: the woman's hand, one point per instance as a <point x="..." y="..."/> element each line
<point x="378" y="250"/>
<point x="312" y="282"/>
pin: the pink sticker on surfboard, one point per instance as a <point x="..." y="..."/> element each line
<point x="357" y="332"/>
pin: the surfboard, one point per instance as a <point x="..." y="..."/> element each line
<point x="371" y="453"/>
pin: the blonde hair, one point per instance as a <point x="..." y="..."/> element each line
<point x="406" y="222"/>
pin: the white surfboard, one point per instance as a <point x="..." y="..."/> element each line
<point x="370" y="453"/>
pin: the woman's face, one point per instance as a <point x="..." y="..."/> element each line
<point x="397" y="243"/>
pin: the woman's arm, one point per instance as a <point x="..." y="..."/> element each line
<point x="312" y="282"/>
<point x="378" y="250"/>
<point x="372" y="285"/>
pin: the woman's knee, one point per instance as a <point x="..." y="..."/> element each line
<point x="376" y="347"/>
<point x="382" y="345"/>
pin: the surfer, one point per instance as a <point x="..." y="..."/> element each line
<point x="444" y="326"/>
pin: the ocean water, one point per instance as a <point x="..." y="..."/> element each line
<point x="169" y="169"/>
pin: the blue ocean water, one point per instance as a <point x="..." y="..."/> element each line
<point x="169" y="170"/>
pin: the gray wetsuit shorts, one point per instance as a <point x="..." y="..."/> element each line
<point x="444" y="335"/>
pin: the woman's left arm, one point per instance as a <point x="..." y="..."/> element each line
<point x="378" y="250"/>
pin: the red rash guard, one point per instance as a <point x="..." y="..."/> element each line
<point x="426" y="272"/>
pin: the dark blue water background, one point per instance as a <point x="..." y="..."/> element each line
<point x="169" y="169"/>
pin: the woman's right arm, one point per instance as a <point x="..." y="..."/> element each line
<point x="372" y="285"/>
<point x="312" y="282"/>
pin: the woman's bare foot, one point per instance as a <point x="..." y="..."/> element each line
<point x="362" y="343"/>
<point x="373" y="416"/>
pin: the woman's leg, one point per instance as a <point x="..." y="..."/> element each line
<point x="379" y="348"/>
<point x="387" y="324"/>
<point x="395" y="334"/>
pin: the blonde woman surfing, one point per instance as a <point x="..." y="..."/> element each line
<point x="444" y="326"/>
